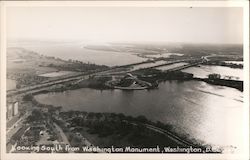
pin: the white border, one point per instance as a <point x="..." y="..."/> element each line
<point x="244" y="4"/>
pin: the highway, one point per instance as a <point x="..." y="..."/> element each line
<point x="81" y="76"/>
<point x="84" y="76"/>
<point x="68" y="79"/>
<point x="47" y="84"/>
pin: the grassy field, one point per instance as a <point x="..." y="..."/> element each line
<point x="28" y="67"/>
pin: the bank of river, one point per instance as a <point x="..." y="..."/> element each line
<point x="203" y="71"/>
<point x="235" y="62"/>
<point x="208" y="113"/>
<point x="76" y="51"/>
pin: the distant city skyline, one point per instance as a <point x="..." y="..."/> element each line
<point x="146" y="24"/>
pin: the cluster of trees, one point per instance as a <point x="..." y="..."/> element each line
<point x="130" y="129"/>
<point x="28" y="79"/>
<point x="75" y="65"/>
<point x="95" y="83"/>
<point x="124" y="128"/>
<point x="31" y="137"/>
<point x="226" y="64"/>
<point x="108" y="128"/>
<point x="154" y="75"/>
<point x="30" y="98"/>
<point x="126" y="82"/>
<point x="36" y="115"/>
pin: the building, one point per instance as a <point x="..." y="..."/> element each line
<point x="15" y="108"/>
<point x="9" y="111"/>
<point x="12" y="109"/>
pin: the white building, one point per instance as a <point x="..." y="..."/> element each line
<point x="9" y="111"/>
<point x="12" y="109"/>
<point x="15" y="108"/>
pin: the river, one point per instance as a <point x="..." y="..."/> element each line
<point x="76" y="51"/>
<point x="203" y="71"/>
<point x="208" y="113"/>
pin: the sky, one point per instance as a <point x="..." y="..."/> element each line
<point x="111" y="24"/>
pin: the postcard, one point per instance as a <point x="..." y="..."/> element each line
<point x="124" y="80"/>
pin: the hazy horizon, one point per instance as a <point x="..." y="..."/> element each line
<point x="198" y="25"/>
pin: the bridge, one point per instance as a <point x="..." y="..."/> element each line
<point x="173" y="62"/>
<point x="44" y="85"/>
<point x="84" y="76"/>
<point x="184" y="66"/>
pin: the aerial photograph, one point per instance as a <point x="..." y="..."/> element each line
<point x="124" y="79"/>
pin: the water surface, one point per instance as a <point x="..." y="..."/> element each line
<point x="203" y="71"/>
<point x="208" y="113"/>
<point x="164" y="55"/>
<point x="76" y="51"/>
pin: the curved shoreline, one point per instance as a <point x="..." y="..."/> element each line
<point x="158" y="127"/>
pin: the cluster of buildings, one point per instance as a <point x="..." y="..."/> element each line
<point x="12" y="109"/>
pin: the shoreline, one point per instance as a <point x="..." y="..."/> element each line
<point x="103" y="86"/>
<point x="140" y="121"/>
<point x="86" y="86"/>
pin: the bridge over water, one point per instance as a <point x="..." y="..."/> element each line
<point x="84" y="76"/>
<point x="184" y="66"/>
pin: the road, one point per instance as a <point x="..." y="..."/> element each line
<point x="64" y="137"/>
<point x="185" y="66"/>
<point x="67" y="79"/>
<point x="44" y="85"/>
<point x="168" y="134"/>
<point x="82" y="76"/>
<point x="15" y="127"/>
